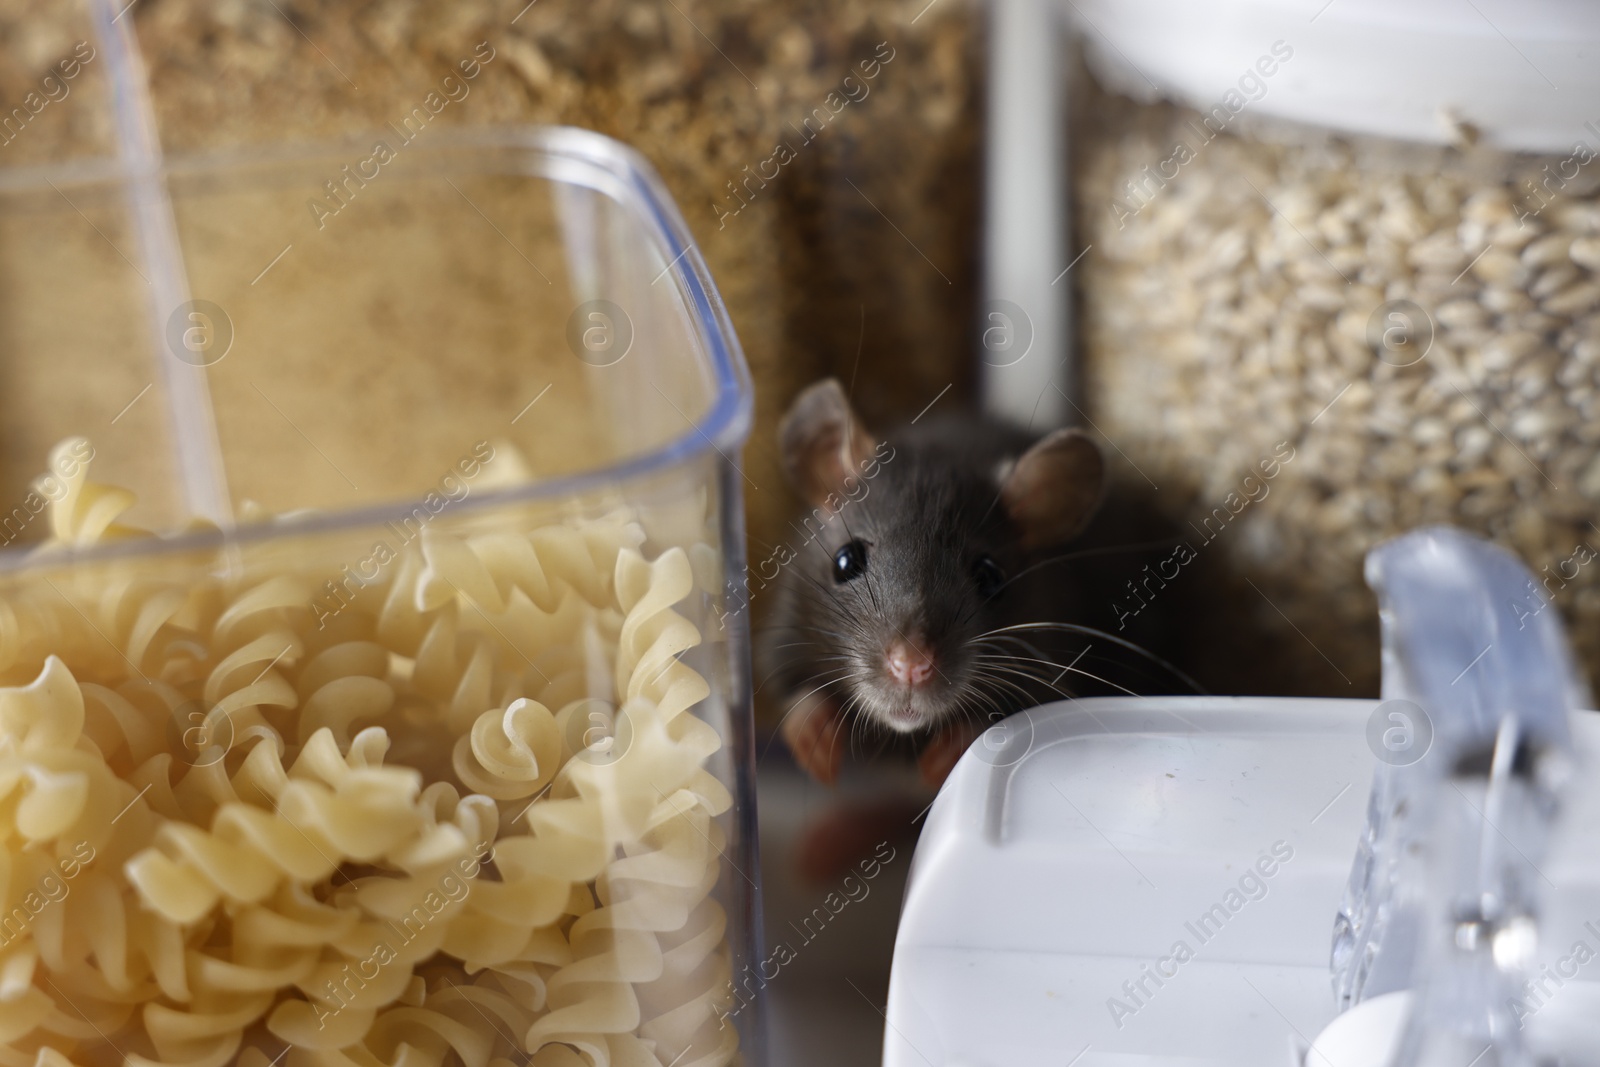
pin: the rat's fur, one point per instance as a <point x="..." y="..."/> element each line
<point x="928" y="516"/>
<point x="930" y="501"/>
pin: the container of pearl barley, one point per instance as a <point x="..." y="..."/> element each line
<point x="370" y="687"/>
<point x="1370" y="234"/>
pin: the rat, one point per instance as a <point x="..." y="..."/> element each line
<point x="917" y="605"/>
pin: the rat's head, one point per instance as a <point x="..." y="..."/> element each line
<point x="909" y="547"/>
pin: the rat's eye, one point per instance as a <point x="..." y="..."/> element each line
<point x="987" y="573"/>
<point x="850" y="561"/>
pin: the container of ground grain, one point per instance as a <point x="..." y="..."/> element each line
<point x="1341" y="277"/>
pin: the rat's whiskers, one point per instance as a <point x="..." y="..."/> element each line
<point x="1090" y="631"/>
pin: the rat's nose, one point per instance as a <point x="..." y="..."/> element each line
<point x="909" y="662"/>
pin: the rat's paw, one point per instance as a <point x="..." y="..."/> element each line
<point x="814" y="732"/>
<point x="937" y="760"/>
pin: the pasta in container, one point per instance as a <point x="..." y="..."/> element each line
<point x="459" y="781"/>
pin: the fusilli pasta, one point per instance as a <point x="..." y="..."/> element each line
<point x="465" y="821"/>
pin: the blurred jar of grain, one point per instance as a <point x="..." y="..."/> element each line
<point x="1292" y="243"/>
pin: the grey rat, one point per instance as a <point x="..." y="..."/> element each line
<point x="917" y="551"/>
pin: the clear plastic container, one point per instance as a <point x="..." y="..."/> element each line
<point x="475" y="482"/>
<point x="1370" y="233"/>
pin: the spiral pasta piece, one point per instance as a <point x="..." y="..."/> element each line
<point x="455" y="669"/>
<point x="343" y="684"/>
<point x="511" y="754"/>
<point x="85" y="512"/>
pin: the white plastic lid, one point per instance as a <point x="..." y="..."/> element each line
<point x="1078" y="846"/>
<point x="1526" y="73"/>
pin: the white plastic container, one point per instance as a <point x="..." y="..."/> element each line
<point x="1076" y="847"/>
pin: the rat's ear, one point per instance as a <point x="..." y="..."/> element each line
<point x="1052" y="490"/>
<point x="822" y="442"/>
